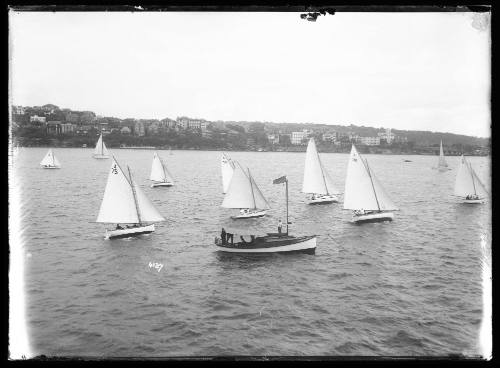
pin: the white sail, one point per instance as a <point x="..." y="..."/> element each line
<point x="243" y="192"/>
<point x="227" y="169"/>
<point x="50" y="159"/>
<point x="124" y="202"/>
<point x="100" y="148"/>
<point x="159" y="171"/>
<point x="118" y="203"/>
<point x="467" y="182"/>
<point x="316" y="179"/>
<point x="441" y="161"/>
<point x="362" y="189"/>
<point x="147" y="212"/>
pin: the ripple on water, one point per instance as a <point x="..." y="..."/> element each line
<point x="412" y="286"/>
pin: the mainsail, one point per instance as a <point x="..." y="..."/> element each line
<point x="243" y="192"/>
<point x="363" y="191"/>
<point x="316" y="179"/>
<point x="441" y="161"/>
<point x="124" y="202"/>
<point x="50" y="159"/>
<point x="100" y="148"/>
<point x="227" y="169"/>
<point x="467" y="182"/>
<point x="159" y="171"/>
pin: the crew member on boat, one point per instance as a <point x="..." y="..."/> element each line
<point x="223" y="236"/>
<point x="229" y="235"/>
<point x="118" y="227"/>
<point x="280" y="225"/>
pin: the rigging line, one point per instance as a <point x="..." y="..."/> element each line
<point x="251" y="187"/>
<point x="480" y="182"/>
<point x="162" y="167"/>
<point x="260" y="192"/>
<point x="472" y="175"/>
<point x="321" y="166"/>
<point x="135" y="197"/>
<point x="373" y="186"/>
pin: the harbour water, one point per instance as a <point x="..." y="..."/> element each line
<point x="406" y="288"/>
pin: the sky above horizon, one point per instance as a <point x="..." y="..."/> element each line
<point x="410" y="71"/>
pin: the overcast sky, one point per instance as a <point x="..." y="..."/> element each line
<point x="417" y="71"/>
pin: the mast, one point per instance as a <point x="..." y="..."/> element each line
<point x="162" y="167"/>
<point x="251" y="186"/>
<point x="286" y="186"/>
<point x="322" y="172"/>
<point x="135" y="196"/>
<point x="371" y="180"/>
<point x="472" y="174"/>
<point x="53" y="161"/>
<point x="102" y="145"/>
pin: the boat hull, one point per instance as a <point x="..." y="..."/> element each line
<point x="50" y="167"/>
<point x="250" y="214"/>
<point x="324" y="199"/>
<point x="130" y="232"/>
<point x="273" y="244"/>
<point x="474" y="201"/>
<point x="373" y="217"/>
<point x="161" y="184"/>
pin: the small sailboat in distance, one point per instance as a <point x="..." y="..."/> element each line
<point x="364" y="194"/>
<point x="50" y="161"/>
<point x="317" y="181"/>
<point x="442" y="164"/>
<point x="259" y="240"/>
<point x="244" y="194"/>
<point x="100" y="151"/>
<point x="125" y="203"/>
<point x="227" y="168"/>
<point x="468" y="185"/>
<point x="160" y="175"/>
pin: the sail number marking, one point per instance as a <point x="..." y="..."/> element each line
<point x="114" y="170"/>
<point x="156" y="265"/>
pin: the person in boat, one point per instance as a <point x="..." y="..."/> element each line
<point x="223" y="236"/>
<point x="360" y="212"/>
<point x="244" y="211"/>
<point x="118" y="227"/>
<point x="252" y="238"/>
<point x="229" y="235"/>
<point x="280" y="225"/>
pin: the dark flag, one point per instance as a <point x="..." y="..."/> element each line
<point x="279" y="180"/>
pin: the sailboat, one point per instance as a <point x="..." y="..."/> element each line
<point x="125" y="203"/>
<point x="467" y="184"/>
<point x="442" y="165"/>
<point x="243" y="193"/>
<point x="364" y="194"/>
<point x="159" y="173"/>
<point x="50" y="161"/>
<point x="100" y="151"/>
<point x="227" y="168"/>
<point x="260" y="241"/>
<point x="317" y="181"/>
